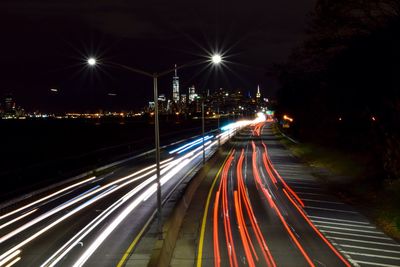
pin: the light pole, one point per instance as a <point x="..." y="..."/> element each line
<point x="202" y="130"/>
<point x="215" y="59"/>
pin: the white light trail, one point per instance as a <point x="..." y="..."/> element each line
<point x="49" y="213"/>
<point x="146" y="194"/>
<point x="13" y="262"/>
<point x="47" y="197"/>
<point x="172" y="165"/>
<point x="78" y="199"/>
<point x="191" y="144"/>
<point x="12" y="255"/>
<point x="17" y="219"/>
<point x="51" y="225"/>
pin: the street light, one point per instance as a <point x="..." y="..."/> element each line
<point x="91" y="61"/>
<point x="215" y="59"/>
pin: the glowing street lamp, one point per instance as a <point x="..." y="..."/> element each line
<point x="215" y="59"/>
<point x="91" y="61"/>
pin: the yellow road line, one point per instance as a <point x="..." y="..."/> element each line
<point x="134" y="242"/>
<point x="203" y="224"/>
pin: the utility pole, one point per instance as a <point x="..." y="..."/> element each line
<point x="202" y="131"/>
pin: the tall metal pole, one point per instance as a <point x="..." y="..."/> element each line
<point x="157" y="155"/>
<point x="202" y="130"/>
<point x="218" y="115"/>
<point x="219" y="137"/>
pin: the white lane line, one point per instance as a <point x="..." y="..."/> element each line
<point x="344" y="224"/>
<point x="305" y="187"/>
<point x="364" y="241"/>
<point x="374" y="249"/>
<point x="322" y="201"/>
<point x="304" y="183"/>
<point x="17" y="219"/>
<point x="293" y="179"/>
<point x="313" y="194"/>
<point x="336" y="210"/>
<point x="372" y="255"/>
<point x="349" y="229"/>
<point x="338" y="220"/>
<point x="376" y="264"/>
<point x="349" y="234"/>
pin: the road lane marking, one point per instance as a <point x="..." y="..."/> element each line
<point x="336" y="210"/>
<point x="368" y="248"/>
<point x="304" y="183"/>
<point x="314" y="194"/>
<point x="135" y="241"/>
<point x="364" y="241"/>
<point x="306" y="187"/>
<point x="204" y="220"/>
<point x="372" y="255"/>
<point x="345" y="224"/>
<point x="138" y="237"/>
<point x="367" y="236"/>
<point x="327" y="242"/>
<point x="322" y="201"/>
<point x="376" y="264"/>
<point x="339" y="220"/>
<point x="260" y="187"/>
<point x="350" y="229"/>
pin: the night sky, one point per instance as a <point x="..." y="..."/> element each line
<point x="44" y="45"/>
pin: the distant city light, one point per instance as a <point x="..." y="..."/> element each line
<point x="285" y="117"/>
<point x="91" y="61"/>
<point x="216" y="59"/>
<point x="261" y="116"/>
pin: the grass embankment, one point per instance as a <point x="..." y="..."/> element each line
<point x="353" y="180"/>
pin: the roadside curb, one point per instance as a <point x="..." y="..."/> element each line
<point x="287" y="137"/>
<point x="163" y="249"/>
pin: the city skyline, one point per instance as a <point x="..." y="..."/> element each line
<point x="189" y="93"/>
<point x="177" y="33"/>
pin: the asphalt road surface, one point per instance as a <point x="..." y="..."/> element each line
<point x="266" y="210"/>
<point x="92" y="221"/>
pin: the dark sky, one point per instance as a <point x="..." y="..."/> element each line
<point x="44" y="45"/>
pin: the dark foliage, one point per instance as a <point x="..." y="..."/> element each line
<point x="343" y="85"/>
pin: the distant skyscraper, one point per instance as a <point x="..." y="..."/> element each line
<point x="192" y="93"/>
<point x="175" y="86"/>
<point x="258" y="95"/>
<point x="9" y="104"/>
<point x="183" y="98"/>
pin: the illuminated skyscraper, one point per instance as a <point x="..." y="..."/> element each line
<point x="183" y="98"/>
<point x="175" y="86"/>
<point x="258" y="95"/>
<point x="192" y="93"/>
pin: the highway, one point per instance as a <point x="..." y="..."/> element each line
<point x="255" y="216"/>
<point x="93" y="220"/>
